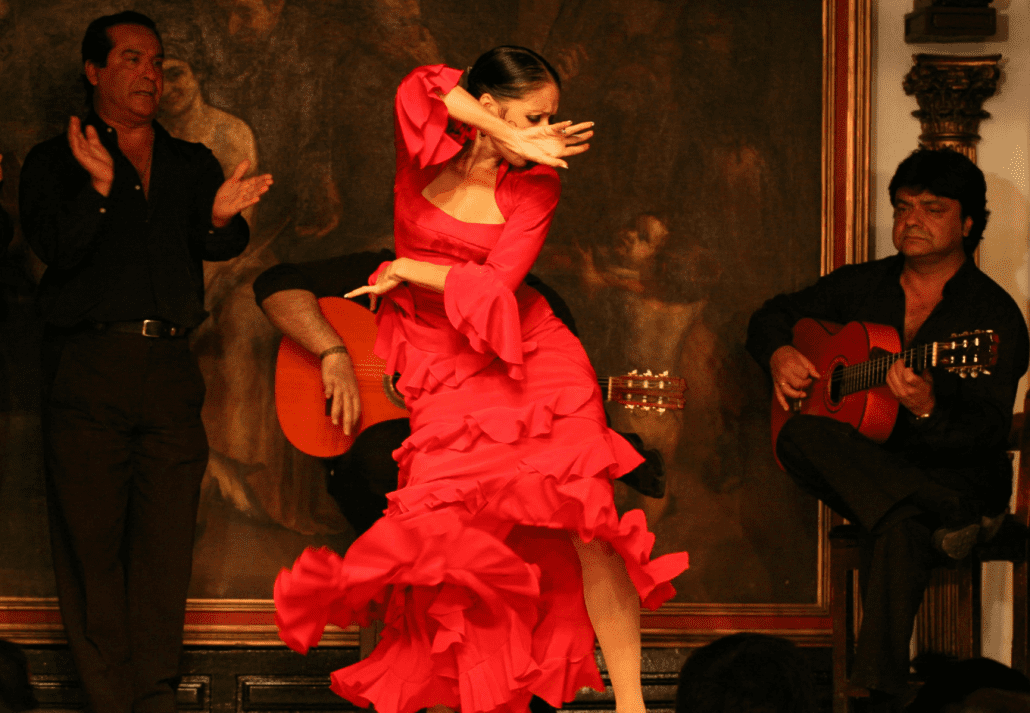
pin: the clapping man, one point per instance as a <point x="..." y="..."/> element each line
<point x="123" y="215"/>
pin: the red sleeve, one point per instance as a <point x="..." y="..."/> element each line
<point x="480" y="299"/>
<point x="421" y="119"/>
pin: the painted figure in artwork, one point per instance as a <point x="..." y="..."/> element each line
<point x="186" y="113"/>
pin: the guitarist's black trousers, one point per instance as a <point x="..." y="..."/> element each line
<point x="899" y="505"/>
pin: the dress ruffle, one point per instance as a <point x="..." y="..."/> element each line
<point x="476" y="577"/>
<point x="423" y="370"/>
<point x="422" y="118"/>
<point x="476" y="619"/>
<point x="474" y="307"/>
<point x="485" y="311"/>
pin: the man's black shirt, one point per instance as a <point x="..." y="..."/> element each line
<point x="969" y="427"/>
<point x="127" y="256"/>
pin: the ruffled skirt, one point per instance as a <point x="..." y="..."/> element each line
<point x="472" y="569"/>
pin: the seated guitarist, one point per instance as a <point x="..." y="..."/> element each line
<point x="940" y="481"/>
<point x="360" y="478"/>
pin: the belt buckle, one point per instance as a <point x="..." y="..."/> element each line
<point x="147" y="323"/>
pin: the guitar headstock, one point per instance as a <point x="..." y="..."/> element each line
<point x="969" y="353"/>
<point x="647" y="391"/>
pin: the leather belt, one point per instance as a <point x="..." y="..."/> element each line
<point x="153" y="328"/>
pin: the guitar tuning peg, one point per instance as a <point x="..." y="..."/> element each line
<point x="664" y="373"/>
<point x="645" y="408"/>
<point x="631" y="406"/>
<point x="648" y="373"/>
<point x="660" y="410"/>
<point x="987" y="372"/>
<point x="975" y="373"/>
<point x="633" y="373"/>
<point x="963" y="374"/>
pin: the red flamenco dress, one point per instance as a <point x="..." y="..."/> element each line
<point x="471" y="567"/>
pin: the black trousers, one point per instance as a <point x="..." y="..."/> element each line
<point x="125" y="452"/>
<point x="359" y="479"/>
<point x="899" y="506"/>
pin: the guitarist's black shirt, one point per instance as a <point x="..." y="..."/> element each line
<point x="969" y="428"/>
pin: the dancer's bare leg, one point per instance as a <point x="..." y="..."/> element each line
<point x="614" y="608"/>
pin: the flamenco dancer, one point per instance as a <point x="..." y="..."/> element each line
<point x="501" y="553"/>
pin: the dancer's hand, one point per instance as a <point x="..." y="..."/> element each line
<point x="547" y="144"/>
<point x="385" y="280"/>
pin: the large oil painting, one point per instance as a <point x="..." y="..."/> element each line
<point x="700" y="197"/>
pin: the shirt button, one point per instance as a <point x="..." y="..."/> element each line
<point x="137" y="188"/>
<point x="103" y="210"/>
<point x="110" y="130"/>
<point x="211" y="232"/>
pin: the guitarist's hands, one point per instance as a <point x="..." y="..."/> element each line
<point x="342" y="387"/>
<point x="914" y="391"/>
<point x="792" y="373"/>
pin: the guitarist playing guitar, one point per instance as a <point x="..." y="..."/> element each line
<point x="937" y="479"/>
<point x="359" y="479"/>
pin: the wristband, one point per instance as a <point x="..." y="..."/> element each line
<point x="340" y="349"/>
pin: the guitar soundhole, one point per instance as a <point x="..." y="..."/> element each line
<point x="390" y="389"/>
<point x="835" y="384"/>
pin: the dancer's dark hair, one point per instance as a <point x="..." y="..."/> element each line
<point x="508" y="72"/>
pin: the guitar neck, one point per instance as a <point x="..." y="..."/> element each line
<point x="872" y="373"/>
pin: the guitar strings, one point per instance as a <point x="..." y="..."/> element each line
<point x="859" y="377"/>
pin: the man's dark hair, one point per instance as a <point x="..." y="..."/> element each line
<point x="952" y="683"/>
<point x="509" y="72"/>
<point x="946" y="174"/>
<point x="746" y="673"/>
<point x="97" y="45"/>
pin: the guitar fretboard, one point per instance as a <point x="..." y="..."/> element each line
<point x="866" y="375"/>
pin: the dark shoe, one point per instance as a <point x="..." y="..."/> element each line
<point x="652" y="480"/>
<point x="648" y="478"/>
<point x="1010" y="544"/>
<point x="990" y="527"/>
<point x="956" y="542"/>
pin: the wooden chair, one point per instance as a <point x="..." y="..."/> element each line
<point x="950" y="620"/>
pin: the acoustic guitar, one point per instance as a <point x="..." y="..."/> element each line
<point x="303" y="410"/>
<point x="854" y="359"/>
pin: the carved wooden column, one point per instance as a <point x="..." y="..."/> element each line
<point x="951" y="91"/>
